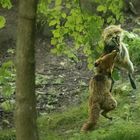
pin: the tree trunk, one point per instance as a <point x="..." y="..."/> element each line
<point x="25" y="115"/>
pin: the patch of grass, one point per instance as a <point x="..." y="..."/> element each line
<point x="62" y="125"/>
<point x="7" y="135"/>
<point x="127" y="131"/>
<point x="66" y="125"/>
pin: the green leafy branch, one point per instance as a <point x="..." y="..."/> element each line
<point x="4" y="4"/>
<point x="74" y="31"/>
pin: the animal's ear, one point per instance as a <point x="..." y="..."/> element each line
<point x="119" y="25"/>
<point x="96" y="64"/>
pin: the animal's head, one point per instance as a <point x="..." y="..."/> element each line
<point x="112" y="36"/>
<point x="105" y="64"/>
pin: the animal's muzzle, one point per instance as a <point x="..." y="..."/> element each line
<point x="116" y="40"/>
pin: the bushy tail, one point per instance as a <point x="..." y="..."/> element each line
<point x="133" y="84"/>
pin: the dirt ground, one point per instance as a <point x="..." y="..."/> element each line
<point x="65" y="80"/>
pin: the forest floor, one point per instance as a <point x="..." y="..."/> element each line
<point x="62" y="94"/>
<point x="59" y="81"/>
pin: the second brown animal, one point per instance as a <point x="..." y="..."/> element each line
<point x="100" y="98"/>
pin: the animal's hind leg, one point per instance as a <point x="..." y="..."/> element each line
<point x="109" y="104"/>
<point x="94" y="112"/>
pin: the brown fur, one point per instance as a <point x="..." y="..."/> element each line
<point x="100" y="98"/>
<point x="105" y="64"/>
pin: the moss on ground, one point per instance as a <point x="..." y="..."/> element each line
<point x="7" y="134"/>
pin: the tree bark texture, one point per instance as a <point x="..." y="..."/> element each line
<point x="25" y="114"/>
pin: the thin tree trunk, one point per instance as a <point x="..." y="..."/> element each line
<point x="25" y="115"/>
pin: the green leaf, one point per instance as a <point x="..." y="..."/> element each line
<point x="7" y="90"/>
<point x="121" y="19"/>
<point x="87" y="51"/>
<point x="64" y="15"/>
<point x="113" y="21"/>
<point x="68" y="5"/>
<point x="109" y="19"/>
<point x="56" y="33"/>
<point x="6" y="3"/>
<point x="101" y="8"/>
<point x="53" y="41"/>
<point x="2" y="22"/>
<point x="8" y="105"/>
<point x="49" y="1"/>
<point x="90" y="66"/>
<point x="78" y="20"/>
<point x="52" y="22"/>
<point x="54" y="50"/>
<point x="58" y="2"/>
<point x="8" y="64"/>
<point x="90" y="60"/>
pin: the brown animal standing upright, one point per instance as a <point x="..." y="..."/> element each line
<point x="99" y="87"/>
